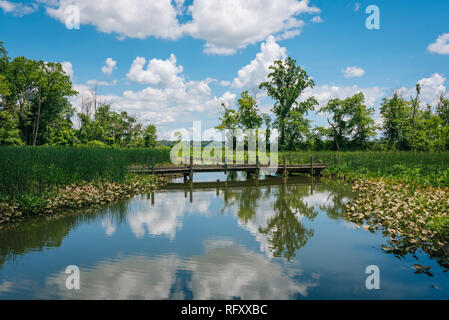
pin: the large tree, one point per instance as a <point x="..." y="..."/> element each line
<point x="396" y="113"/>
<point x="351" y="121"/>
<point x="286" y="82"/>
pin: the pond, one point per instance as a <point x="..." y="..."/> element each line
<point x="239" y="239"/>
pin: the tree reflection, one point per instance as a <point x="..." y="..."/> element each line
<point x="286" y="233"/>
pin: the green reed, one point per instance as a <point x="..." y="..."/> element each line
<point x="28" y="170"/>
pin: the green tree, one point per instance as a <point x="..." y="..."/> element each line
<point x="443" y="109"/>
<point x="9" y="133"/>
<point x="150" y="136"/>
<point x="363" y="126"/>
<point x="396" y="113"/>
<point x="38" y="96"/>
<point x="286" y="82"/>
<point x="248" y="112"/>
<point x="351" y="121"/>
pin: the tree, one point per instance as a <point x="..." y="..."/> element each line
<point x="286" y="82"/>
<point x="230" y="123"/>
<point x="395" y="112"/>
<point x="38" y="96"/>
<point x="248" y="113"/>
<point x="443" y="109"/>
<point x="150" y="136"/>
<point x="351" y="121"/>
<point x="9" y="133"/>
<point x="362" y="125"/>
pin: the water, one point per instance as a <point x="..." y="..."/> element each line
<point x="241" y="240"/>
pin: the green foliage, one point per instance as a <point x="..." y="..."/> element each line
<point x="35" y="110"/>
<point x="9" y="133"/>
<point x="287" y="82"/>
<point x="351" y="119"/>
<point x="440" y="225"/>
<point x="423" y="168"/>
<point x="35" y="171"/>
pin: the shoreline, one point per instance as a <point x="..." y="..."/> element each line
<point x="79" y="197"/>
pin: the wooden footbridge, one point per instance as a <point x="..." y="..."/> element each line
<point x="187" y="171"/>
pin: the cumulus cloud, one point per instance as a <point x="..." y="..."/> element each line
<point x="441" y="45"/>
<point x="225" y="25"/>
<point x="351" y="72"/>
<point x="431" y="89"/>
<point x="168" y="97"/>
<point x="163" y="72"/>
<point x="251" y="75"/>
<point x="68" y="68"/>
<point x="17" y="8"/>
<point x="228" y="25"/>
<point x="110" y="66"/>
<point x="130" y="18"/>
<point x="326" y="92"/>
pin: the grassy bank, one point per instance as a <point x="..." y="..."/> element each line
<point x="36" y="171"/>
<point x="47" y="180"/>
<point x="77" y="196"/>
<point x="421" y="168"/>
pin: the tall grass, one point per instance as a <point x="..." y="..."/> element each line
<point x="420" y="167"/>
<point x="27" y="170"/>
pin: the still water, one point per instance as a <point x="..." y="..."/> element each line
<point x="240" y="240"/>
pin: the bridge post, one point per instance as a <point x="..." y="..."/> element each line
<point x="257" y="167"/>
<point x="153" y="166"/>
<point x="311" y="166"/>
<point x="285" y="173"/>
<point x="191" y="169"/>
<point x="291" y="159"/>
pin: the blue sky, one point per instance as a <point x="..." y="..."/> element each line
<point x="175" y="61"/>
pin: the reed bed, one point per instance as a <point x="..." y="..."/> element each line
<point x="423" y="168"/>
<point x="35" y="171"/>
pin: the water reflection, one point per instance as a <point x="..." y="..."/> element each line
<point x="271" y="210"/>
<point x="225" y="271"/>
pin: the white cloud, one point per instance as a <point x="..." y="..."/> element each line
<point x="17" y="8"/>
<point x="97" y="83"/>
<point x="225" y="83"/>
<point x="357" y="6"/>
<point x="441" y="45"/>
<point x="110" y="66"/>
<point x="317" y="19"/>
<point x="228" y="25"/>
<point x="431" y="89"/>
<point x="325" y="92"/>
<point x="130" y="18"/>
<point x="168" y="98"/>
<point x="351" y="72"/>
<point x="251" y="75"/>
<point x="158" y="72"/>
<point x="225" y="25"/>
<point x="68" y="68"/>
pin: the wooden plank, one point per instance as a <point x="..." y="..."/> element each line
<point x="303" y="168"/>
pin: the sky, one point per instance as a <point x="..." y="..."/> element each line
<point x="172" y="62"/>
